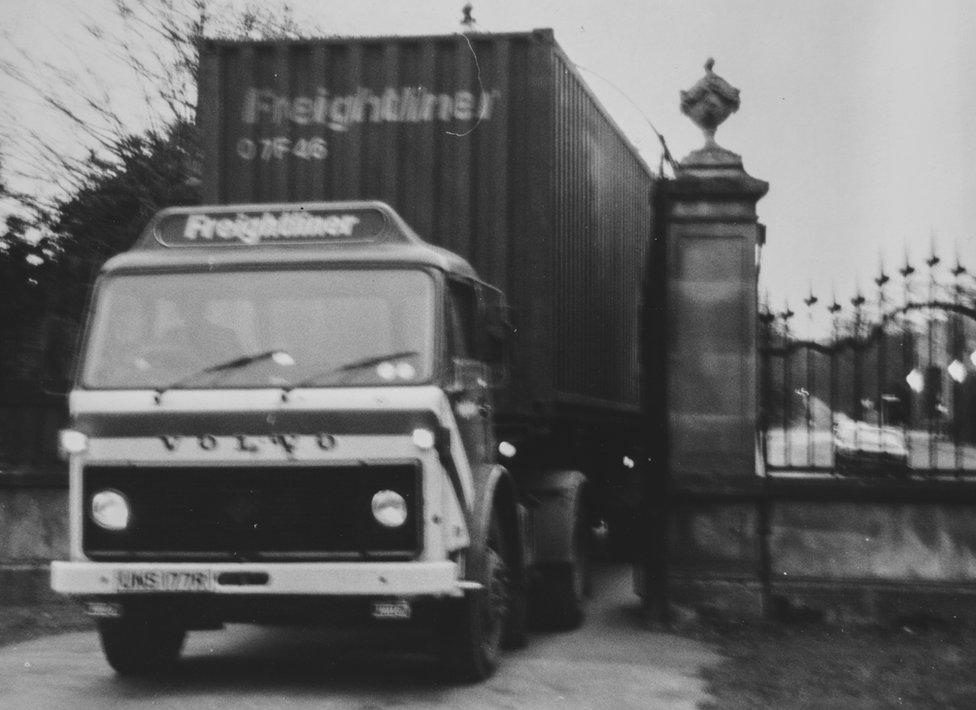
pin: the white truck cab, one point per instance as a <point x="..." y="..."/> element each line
<point x="283" y="413"/>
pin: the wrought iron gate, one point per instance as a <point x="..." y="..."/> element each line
<point x="875" y="386"/>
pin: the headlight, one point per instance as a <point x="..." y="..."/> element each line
<point x="110" y="510"/>
<point x="71" y="442"/>
<point x="424" y="439"/>
<point x="389" y="509"/>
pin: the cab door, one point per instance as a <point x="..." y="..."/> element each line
<point x="469" y="387"/>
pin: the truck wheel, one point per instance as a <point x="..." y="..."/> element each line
<point x="560" y="595"/>
<point x="622" y="532"/>
<point x="516" y="629"/>
<point x="141" y="646"/>
<point x="476" y="625"/>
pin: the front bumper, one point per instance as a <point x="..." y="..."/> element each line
<point x="326" y="579"/>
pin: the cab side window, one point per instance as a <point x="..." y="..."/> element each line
<point x="498" y="330"/>
<point x="463" y="321"/>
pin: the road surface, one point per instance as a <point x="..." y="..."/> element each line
<point x="610" y="662"/>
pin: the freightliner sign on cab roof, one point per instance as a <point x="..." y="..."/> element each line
<point x="274" y="225"/>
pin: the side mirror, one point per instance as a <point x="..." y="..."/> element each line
<point x="500" y="332"/>
<point x="496" y="348"/>
<point x="498" y="342"/>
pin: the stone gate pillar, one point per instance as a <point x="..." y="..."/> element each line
<point x="712" y="238"/>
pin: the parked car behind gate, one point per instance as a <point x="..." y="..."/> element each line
<point x="861" y="447"/>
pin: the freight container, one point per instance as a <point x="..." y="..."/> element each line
<point x="298" y="403"/>
<point x="488" y="145"/>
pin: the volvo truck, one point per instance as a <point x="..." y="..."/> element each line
<point x="389" y="372"/>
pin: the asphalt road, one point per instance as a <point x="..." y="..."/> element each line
<point x="610" y="662"/>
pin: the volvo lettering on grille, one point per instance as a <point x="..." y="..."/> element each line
<point x="248" y="443"/>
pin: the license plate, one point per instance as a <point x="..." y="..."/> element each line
<point x="156" y="580"/>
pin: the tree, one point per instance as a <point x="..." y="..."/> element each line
<point x="28" y="258"/>
<point x="104" y="197"/>
<point x="155" y="45"/>
<point x="117" y="196"/>
<point x="23" y="257"/>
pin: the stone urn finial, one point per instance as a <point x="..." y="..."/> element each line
<point x="709" y="102"/>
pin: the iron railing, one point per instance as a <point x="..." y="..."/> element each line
<point x="884" y="385"/>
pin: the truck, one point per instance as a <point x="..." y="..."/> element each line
<point x="389" y="371"/>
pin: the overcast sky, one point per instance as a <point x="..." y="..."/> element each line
<point x="858" y="113"/>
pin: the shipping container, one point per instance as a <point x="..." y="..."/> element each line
<point x="490" y="145"/>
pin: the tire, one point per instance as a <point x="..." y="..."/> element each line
<point x="559" y="597"/>
<point x="139" y="646"/>
<point x="474" y="628"/>
<point x="517" y="626"/>
<point x="622" y="533"/>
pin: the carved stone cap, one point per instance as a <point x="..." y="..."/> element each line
<point x="708" y="103"/>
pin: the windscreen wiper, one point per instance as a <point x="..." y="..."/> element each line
<point x="279" y="356"/>
<point x="347" y="367"/>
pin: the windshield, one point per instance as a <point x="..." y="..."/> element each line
<point x="275" y="328"/>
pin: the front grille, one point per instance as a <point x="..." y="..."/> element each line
<point x="251" y="513"/>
